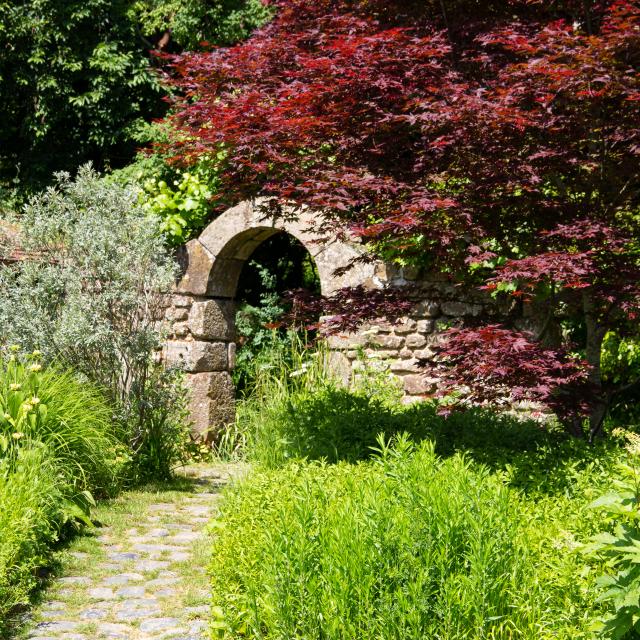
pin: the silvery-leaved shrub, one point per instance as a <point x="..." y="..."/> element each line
<point x="89" y="295"/>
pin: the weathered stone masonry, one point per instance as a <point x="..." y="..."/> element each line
<point x="202" y="310"/>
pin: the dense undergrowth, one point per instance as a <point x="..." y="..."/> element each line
<point x="365" y="518"/>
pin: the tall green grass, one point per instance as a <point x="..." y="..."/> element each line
<point x="57" y="449"/>
<point x="31" y="517"/>
<point x="405" y="546"/>
<point x="468" y="527"/>
<point x="301" y="408"/>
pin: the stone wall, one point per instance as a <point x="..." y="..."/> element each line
<point x="201" y="341"/>
<point x="406" y="347"/>
<point x="200" y="313"/>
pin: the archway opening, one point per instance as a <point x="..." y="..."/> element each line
<point x="279" y="264"/>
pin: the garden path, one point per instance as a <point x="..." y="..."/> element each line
<point x="141" y="575"/>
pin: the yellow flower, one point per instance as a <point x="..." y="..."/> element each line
<point x="35" y="367"/>
<point x="36" y="353"/>
<point x="35" y="400"/>
<point x="27" y="407"/>
<point x="17" y="435"/>
<point x="15" y="386"/>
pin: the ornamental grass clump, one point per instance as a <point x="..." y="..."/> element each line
<point x="68" y="416"/>
<point x="301" y="408"/>
<point x="32" y="516"/>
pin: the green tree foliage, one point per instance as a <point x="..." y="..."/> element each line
<point x="190" y="23"/>
<point x="76" y="76"/>
<point x="75" y="81"/>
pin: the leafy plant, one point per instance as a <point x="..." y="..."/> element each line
<point x="162" y="440"/>
<point x="58" y="448"/>
<point x="620" y="548"/>
<point x="406" y="545"/>
<point x="79" y="80"/>
<point x="70" y="417"/>
<point x="32" y="515"/>
<point x="182" y="207"/>
<point x="189" y="24"/>
<point x="278" y="265"/>
<point x="261" y="345"/>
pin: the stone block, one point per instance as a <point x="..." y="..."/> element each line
<point x="340" y="366"/>
<point x="212" y="320"/>
<point x="196" y="263"/>
<point x="181" y="301"/>
<point x="348" y="341"/>
<point x="415" y="341"/>
<point x="424" y="354"/>
<point x="425" y="326"/>
<point x="406" y="325"/>
<point x="416" y="384"/>
<point x="388" y="341"/>
<point x="197" y="356"/>
<point x="212" y="402"/>
<point x="176" y="313"/>
<point x="426" y="309"/>
<point x="458" y="309"/>
<point x="180" y="329"/>
<point x="380" y="354"/>
<point x="405" y="365"/>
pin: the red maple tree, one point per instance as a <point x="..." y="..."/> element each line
<point x="498" y="142"/>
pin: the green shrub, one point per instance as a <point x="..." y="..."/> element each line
<point x="619" y="545"/>
<point x="68" y="416"/>
<point x="301" y="409"/>
<point x="406" y="545"/>
<point x="163" y="437"/>
<point x="178" y="197"/>
<point x="91" y="296"/>
<point x="77" y="78"/>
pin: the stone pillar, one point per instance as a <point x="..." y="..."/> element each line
<point x="202" y="344"/>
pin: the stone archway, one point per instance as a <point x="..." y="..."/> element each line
<point x="202" y="308"/>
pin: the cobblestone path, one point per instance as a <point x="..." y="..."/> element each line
<point x="141" y="575"/>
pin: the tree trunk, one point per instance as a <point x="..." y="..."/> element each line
<point x="595" y="336"/>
